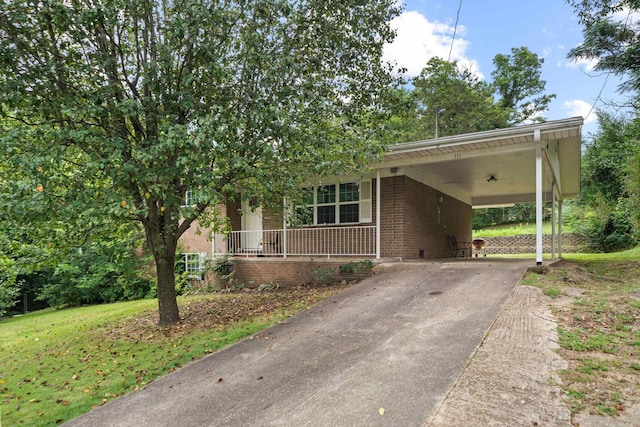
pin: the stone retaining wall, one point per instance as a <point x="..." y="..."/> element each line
<point x="526" y="244"/>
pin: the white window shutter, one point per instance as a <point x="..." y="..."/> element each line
<point x="365" y="201"/>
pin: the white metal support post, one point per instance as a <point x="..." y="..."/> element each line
<point x="378" y="192"/>
<point x="559" y="228"/>
<point x="285" y="212"/>
<point x="553" y="222"/>
<point x="538" y="143"/>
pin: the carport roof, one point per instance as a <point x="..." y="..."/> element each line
<point x="496" y="167"/>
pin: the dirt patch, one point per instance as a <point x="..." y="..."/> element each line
<point x="219" y="310"/>
<point x="598" y="321"/>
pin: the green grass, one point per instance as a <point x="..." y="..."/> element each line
<point x="599" y="333"/>
<point x="515" y="229"/>
<point x="57" y="365"/>
<point x="604" y="259"/>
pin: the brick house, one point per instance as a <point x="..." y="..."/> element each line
<point x="409" y="204"/>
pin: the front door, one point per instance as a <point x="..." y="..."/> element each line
<point x="251" y="225"/>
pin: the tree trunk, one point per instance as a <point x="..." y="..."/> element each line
<point x="167" y="302"/>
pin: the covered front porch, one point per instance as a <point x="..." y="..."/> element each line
<point x="423" y="192"/>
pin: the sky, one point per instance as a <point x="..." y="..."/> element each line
<point x="485" y="28"/>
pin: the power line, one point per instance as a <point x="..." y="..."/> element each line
<point x="455" y="29"/>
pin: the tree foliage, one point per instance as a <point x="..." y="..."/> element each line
<point x="9" y="289"/>
<point x="107" y="270"/>
<point x="610" y="162"/>
<point x="453" y="101"/>
<point x="607" y="196"/>
<point x="605" y="158"/>
<point x="517" y="81"/>
<point x="447" y="99"/>
<point x="613" y="42"/>
<point x="148" y="99"/>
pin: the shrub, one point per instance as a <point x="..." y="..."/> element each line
<point x="607" y="228"/>
<point x="9" y="289"/>
<point x="105" y="271"/>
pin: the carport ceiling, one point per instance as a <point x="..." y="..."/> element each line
<point x="496" y="167"/>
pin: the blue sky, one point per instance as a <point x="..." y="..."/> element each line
<point x="549" y="28"/>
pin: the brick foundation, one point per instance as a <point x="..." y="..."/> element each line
<point x="255" y="271"/>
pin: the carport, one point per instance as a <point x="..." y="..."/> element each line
<point x="538" y="162"/>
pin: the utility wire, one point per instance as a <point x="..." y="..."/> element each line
<point x="455" y="30"/>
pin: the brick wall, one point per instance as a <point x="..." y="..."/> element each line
<point x="526" y="244"/>
<point x="417" y="219"/>
<point x="252" y="272"/>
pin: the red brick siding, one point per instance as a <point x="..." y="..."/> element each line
<point x="411" y="226"/>
<point x="271" y="220"/>
<point x="392" y="216"/>
<point x="409" y="222"/>
<point x="233" y="212"/>
<point x="252" y="272"/>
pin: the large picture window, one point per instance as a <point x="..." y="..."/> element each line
<point x="339" y="203"/>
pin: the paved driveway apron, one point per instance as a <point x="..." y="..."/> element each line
<point x="382" y="353"/>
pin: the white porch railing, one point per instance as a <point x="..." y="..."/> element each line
<point x="330" y="241"/>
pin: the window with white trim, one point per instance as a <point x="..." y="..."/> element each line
<point x="338" y="203"/>
<point x="191" y="198"/>
<point x="194" y="264"/>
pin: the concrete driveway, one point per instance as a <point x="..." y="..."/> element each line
<point x="383" y="353"/>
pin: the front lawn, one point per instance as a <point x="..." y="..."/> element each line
<point x="58" y="364"/>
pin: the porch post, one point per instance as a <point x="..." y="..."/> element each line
<point x="553" y="222"/>
<point x="284" y="229"/>
<point x="378" y="185"/>
<point x="559" y="228"/>
<point x="538" y="143"/>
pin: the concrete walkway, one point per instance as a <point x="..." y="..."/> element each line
<point x="385" y="352"/>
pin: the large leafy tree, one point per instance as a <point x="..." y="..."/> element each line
<point x="608" y="197"/>
<point x="613" y="42"/>
<point x="611" y="37"/>
<point x="453" y="100"/>
<point x="604" y="161"/>
<point x="148" y="99"/>
<point x="518" y="84"/>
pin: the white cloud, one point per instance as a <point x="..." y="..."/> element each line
<point x="578" y="107"/>
<point x="587" y="65"/>
<point x="419" y="40"/>
<point x="626" y="15"/>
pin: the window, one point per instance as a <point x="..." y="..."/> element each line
<point x="190" y="198"/>
<point x="194" y="264"/>
<point x="343" y="203"/>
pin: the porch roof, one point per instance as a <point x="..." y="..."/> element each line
<point x="495" y="167"/>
